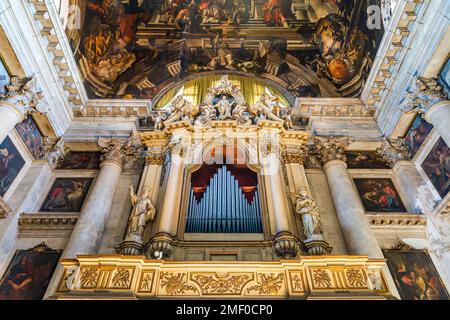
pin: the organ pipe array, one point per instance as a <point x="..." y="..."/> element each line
<point x="223" y="208"/>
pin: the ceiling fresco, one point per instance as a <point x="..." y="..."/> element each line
<point x="134" y="49"/>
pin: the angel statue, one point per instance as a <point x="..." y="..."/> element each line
<point x="143" y="212"/>
<point x="307" y="208"/>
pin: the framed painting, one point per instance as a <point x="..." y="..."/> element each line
<point x="379" y="195"/>
<point x="444" y="76"/>
<point x="5" y="78"/>
<point x="415" y="276"/>
<point x="437" y="167"/>
<point x="31" y="136"/>
<point x="417" y="133"/>
<point x="29" y="273"/>
<point x="81" y="160"/>
<point x="365" y="160"/>
<point x="67" y="195"/>
<point x="11" y="162"/>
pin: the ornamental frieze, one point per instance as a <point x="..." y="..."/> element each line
<point x="135" y="277"/>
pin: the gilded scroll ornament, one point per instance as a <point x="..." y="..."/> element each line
<point x="321" y="278"/>
<point x="121" y="279"/>
<point x="356" y="278"/>
<point x="89" y="277"/>
<point x="217" y="284"/>
<point x="146" y="282"/>
<point x="267" y="284"/>
<point x="176" y="284"/>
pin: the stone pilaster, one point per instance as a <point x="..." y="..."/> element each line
<point x="161" y="245"/>
<point x="20" y="99"/>
<point x="285" y="243"/>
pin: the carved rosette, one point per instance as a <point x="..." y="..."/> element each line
<point x="427" y="93"/>
<point x="120" y="151"/>
<point x="286" y="245"/>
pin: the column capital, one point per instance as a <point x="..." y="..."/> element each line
<point x="328" y="149"/>
<point x="293" y="157"/>
<point x="427" y="93"/>
<point x="120" y="151"/>
<point x="394" y="150"/>
<point x="23" y="95"/>
<point x="54" y="151"/>
<point x="5" y="210"/>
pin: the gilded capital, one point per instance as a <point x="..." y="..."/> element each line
<point x="293" y="157"/>
<point x="4" y="209"/>
<point x="154" y="159"/>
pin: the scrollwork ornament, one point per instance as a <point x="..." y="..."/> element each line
<point x="23" y="94"/>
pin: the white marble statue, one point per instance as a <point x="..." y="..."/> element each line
<point x="224" y="107"/>
<point x="143" y="212"/>
<point x="307" y="208"/>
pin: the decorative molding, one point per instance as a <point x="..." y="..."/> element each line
<point x="332" y="107"/>
<point x="397" y="220"/>
<point x="132" y="277"/>
<point x="59" y="51"/>
<point x="46" y="224"/>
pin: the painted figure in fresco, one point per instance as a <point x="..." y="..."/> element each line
<point x="18" y="280"/>
<point x="365" y="159"/>
<point x="143" y="212"/>
<point x="212" y="11"/>
<point x="223" y="58"/>
<point x="277" y="12"/>
<point x="187" y="17"/>
<point x="241" y="13"/>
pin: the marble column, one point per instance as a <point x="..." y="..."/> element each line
<point x="285" y="243"/>
<point x="9" y="117"/>
<point x="439" y="116"/>
<point x="358" y="236"/>
<point x="418" y="196"/>
<point x="21" y="98"/>
<point x="87" y="234"/>
<point x="162" y="242"/>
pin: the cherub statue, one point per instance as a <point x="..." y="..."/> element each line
<point x="288" y="124"/>
<point x="307" y="208"/>
<point x="143" y="212"/>
<point x="158" y="120"/>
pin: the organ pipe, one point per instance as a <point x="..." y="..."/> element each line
<point x="223" y="208"/>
